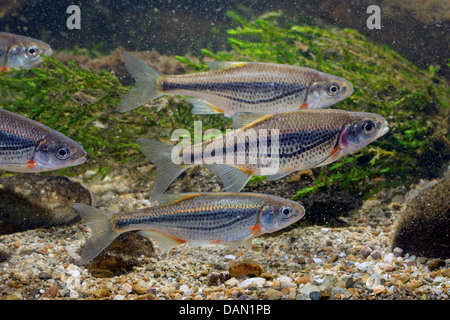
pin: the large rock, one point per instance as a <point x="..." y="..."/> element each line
<point x="30" y="201"/>
<point x="128" y="250"/>
<point x="424" y="226"/>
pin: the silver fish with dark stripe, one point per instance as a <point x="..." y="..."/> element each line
<point x="29" y="146"/>
<point x="234" y="87"/>
<point x="194" y="218"/>
<point x="19" y="51"/>
<point x="295" y="140"/>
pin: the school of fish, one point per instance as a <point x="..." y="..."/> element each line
<point x="279" y="127"/>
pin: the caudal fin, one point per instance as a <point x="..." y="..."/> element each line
<point x="161" y="155"/>
<point x="99" y="221"/>
<point x="145" y="88"/>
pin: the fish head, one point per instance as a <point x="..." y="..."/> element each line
<point x="362" y="129"/>
<point x="26" y="53"/>
<point x="279" y="213"/>
<point x="327" y="90"/>
<point x="56" y="151"/>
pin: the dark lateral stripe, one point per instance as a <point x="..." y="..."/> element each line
<point x="176" y="220"/>
<point x="295" y="140"/>
<point x="325" y="135"/>
<point x="221" y="89"/>
<point x="14" y="143"/>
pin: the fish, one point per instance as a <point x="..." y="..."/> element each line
<point x="18" y="51"/>
<point x="297" y="140"/>
<point x="29" y="146"/>
<point x="235" y="87"/>
<point x="199" y="219"/>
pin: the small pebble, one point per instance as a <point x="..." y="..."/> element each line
<point x="257" y="282"/>
<point x="365" y="251"/>
<point x="272" y="294"/>
<point x="398" y="252"/>
<point x="376" y="255"/>
<point x="314" y="295"/>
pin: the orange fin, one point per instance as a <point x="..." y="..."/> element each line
<point x="164" y="241"/>
<point x="304" y="106"/>
<point x="4" y="68"/>
<point x="201" y="107"/>
<point x="31" y="164"/>
<point x="335" y="152"/>
<point x="256" y="229"/>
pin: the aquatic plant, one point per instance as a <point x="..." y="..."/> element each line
<point x="415" y="102"/>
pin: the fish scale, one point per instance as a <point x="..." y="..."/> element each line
<point x="195" y="218"/>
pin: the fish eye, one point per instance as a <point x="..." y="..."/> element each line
<point x="32" y="52"/>
<point x="62" y="153"/>
<point x="333" y="89"/>
<point x="368" y="127"/>
<point x="286" y="212"/>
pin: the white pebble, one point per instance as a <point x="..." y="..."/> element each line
<point x="75" y="274"/>
<point x="362" y="266"/>
<point x="230" y="257"/>
<point x="231" y="282"/>
<point x="440" y="279"/>
<point x="127" y="288"/>
<point x="324" y="230"/>
<point x="257" y="282"/>
<point x="286" y="282"/>
<point x="389" y="258"/>
<point x="73" y="294"/>
<point x="119" y="297"/>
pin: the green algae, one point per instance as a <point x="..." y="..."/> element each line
<point x="83" y="104"/>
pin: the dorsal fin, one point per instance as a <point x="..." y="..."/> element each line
<point x="216" y="65"/>
<point x="168" y="198"/>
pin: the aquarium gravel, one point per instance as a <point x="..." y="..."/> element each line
<point x="313" y="262"/>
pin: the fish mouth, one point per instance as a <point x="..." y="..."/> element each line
<point x="79" y="161"/>
<point x="384" y="130"/>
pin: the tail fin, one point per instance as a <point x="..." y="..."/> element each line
<point x="161" y="155"/>
<point x="102" y="234"/>
<point x="145" y="87"/>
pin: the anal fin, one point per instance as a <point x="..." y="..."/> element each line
<point x="201" y="107"/>
<point x="164" y="241"/>
<point x="234" y="179"/>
